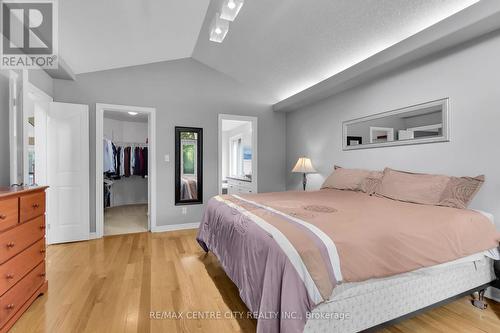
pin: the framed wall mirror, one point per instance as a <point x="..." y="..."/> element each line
<point x="188" y="165"/>
<point x="417" y="124"/>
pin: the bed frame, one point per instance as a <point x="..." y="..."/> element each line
<point x="478" y="303"/>
<point x="479" y="289"/>
<point x="372" y="309"/>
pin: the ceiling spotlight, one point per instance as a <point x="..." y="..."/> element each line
<point x="218" y="29"/>
<point x="133" y="113"/>
<point x="230" y="9"/>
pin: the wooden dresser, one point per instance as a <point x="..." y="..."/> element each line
<point x="22" y="251"/>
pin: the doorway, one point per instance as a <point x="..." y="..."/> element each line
<point x="34" y="135"/>
<point x="238" y="154"/>
<point x="125" y="169"/>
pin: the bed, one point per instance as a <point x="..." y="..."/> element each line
<point x="344" y="261"/>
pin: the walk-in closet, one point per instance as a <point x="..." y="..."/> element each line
<point x="125" y="168"/>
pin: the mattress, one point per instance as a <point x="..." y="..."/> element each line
<point x="359" y="306"/>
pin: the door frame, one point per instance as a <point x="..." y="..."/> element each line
<point x="255" y="148"/>
<point x="35" y="94"/>
<point x="99" y="136"/>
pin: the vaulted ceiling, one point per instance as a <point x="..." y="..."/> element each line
<point x="280" y="47"/>
<point x="284" y="47"/>
<point x="98" y="35"/>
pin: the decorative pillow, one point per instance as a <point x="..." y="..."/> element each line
<point x="460" y="191"/>
<point x="370" y="184"/>
<point x="412" y="187"/>
<point x="346" y="179"/>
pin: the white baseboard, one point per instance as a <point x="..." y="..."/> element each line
<point x="174" y="227"/>
<point x="93" y="235"/>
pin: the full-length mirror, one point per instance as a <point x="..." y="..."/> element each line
<point x="422" y="123"/>
<point x="188" y="165"/>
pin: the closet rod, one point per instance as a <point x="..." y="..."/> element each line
<point x="129" y="143"/>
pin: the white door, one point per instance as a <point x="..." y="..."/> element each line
<point x="68" y="172"/>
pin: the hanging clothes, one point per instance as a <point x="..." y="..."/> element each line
<point x="126" y="163"/>
<point x="141" y="162"/>
<point x="137" y="161"/>
<point x="132" y="160"/>
<point x="122" y="162"/>
<point x="118" y="160"/>
<point x="108" y="156"/>
<point x="145" y="171"/>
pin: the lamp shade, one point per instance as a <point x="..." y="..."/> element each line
<point x="304" y="165"/>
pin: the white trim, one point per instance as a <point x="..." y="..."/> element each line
<point x="175" y="227"/>
<point x="255" y="148"/>
<point x="99" y="211"/>
<point x="40" y="97"/>
<point x="13" y="128"/>
<point x="93" y="235"/>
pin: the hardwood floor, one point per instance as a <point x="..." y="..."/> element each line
<point x="112" y="285"/>
<point x="126" y="219"/>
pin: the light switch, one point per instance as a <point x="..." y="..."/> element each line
<point x="167" y="158"/>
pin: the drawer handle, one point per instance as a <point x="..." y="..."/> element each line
<point x="9" y="306"/>
<point x="11" y="244"/>
<point x="35" y="206"/>
<point x="42" y="251"/>
<point x="3" y="217"/>
<point x="9" y="276"/>
<point x="42" y="274"/>
<point x="42" y="227"/>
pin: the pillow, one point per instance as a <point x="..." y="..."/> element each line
<point x="460" y="191"/>
<point x="412" y="187"/>
<point x="346" y="179"/>
<point x="370" y="184"/>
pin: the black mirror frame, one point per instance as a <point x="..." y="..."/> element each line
<point x="199" y="161"/>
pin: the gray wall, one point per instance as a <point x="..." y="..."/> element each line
<point x="468" y="75"/>
<point x="42" y="80"/>
<point x="185" y="93"/>
<point x="4" y="128"/>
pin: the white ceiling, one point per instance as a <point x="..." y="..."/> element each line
<point x="284" y="47"/>
<point x="279" y="47"/>
<point x="97" y="35"/>
<point x="124" y="116"/>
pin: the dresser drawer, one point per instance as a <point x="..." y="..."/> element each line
<point x="9" y="210"/>
<point x="13" y="270"/>
<point x="17" y="239"/>
<point x="31" y="205"/>
<point x="13" y="299"/>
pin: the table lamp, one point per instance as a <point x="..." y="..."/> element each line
<point x="304" y="166"/>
